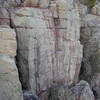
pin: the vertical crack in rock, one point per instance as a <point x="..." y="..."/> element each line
<point x="37" y="64"/>
<point x="56" y="23"/>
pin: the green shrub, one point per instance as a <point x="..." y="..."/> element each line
<point x="91" y="3"/>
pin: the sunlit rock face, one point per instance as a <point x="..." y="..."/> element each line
<point x="81" y="91"/>
<point x="49" y="50"/>
<point x="46" y="35"/>
<point x="10" y="87"/>
<point x="36" y="48"/>
<point x="7" y="41"/>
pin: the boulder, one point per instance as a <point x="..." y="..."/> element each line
<point x="90" y="34"/>
<point x="4" y="16"/>
<point x="90" y="39"/>
<point x="60" y="92"/>
<point x="10" y="87"/>
<point x="83" y="91"/>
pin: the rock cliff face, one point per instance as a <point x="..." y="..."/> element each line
<point x="10" y="87"/>
<point x="46" y="35"/>
<point x="48" y="45"/>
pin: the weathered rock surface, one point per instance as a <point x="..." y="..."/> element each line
<point x="10" y="87"/>
<point x="28" y="95"/>
<point x="48" y="45"/>
<point x="95" y="84"/>
<point x="10" y="3"/>
<point x="7" y="41"/>
<point x="80" y="91"/>
<point x="83" y="91"/>
<point x="90" y="38"/>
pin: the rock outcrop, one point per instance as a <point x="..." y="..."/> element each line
<point x="95" y="84"/>
<point x="49" y="49"/>
<point x="46" y="35"/>
<point x="10" y="87"/>
<point x="8" y="43"/>
<point x="90" y="38"/>
<point x="80" y="91"/>
<point x="83" y="91"/>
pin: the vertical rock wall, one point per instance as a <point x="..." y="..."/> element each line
<point x="49" y="49"/>
<point x="10" y="87"/>
<point x="49" y="52"/>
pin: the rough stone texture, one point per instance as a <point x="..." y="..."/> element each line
<point x="37" y="3"/>
<point x="10" y="87"/>
<point x="90" y="38"/>
<point x="7" y="41"/>
<point x="10" y="3"/>
<point x="82" y="91"/>
<point x="48" y="45"/>
<point x="95" y="84"/>
<point x="61" y="93"/>
<point x="4" y="16"/>
<point x="49" y="50"/>
<point x="83" y="12"/>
